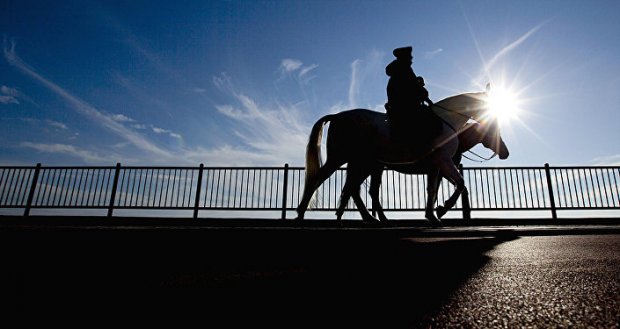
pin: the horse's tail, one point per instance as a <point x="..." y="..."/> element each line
<point x="313" y="149"/>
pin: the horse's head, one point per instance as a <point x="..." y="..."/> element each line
<point x="493" y="140"/>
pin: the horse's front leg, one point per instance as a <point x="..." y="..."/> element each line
<point x="375" y="185"/>
<point x="451" y="173"/>
<point x="431" y="189"/>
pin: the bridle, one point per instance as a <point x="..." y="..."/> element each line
<point x="482" y="159"/>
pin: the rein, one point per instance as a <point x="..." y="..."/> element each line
<point x="482" y="159"/>
<point x="453" y="111"/>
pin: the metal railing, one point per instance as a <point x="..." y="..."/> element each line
<point x="280" y="188"/>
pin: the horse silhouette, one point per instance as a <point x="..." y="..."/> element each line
<point x="361" y="139"/>
<point x="473" y="134"/>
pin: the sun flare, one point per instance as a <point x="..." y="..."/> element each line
<point x="503" y="104"/>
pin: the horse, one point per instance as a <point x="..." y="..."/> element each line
<point x="361" y="139"/>
<point x="472" y="134"/>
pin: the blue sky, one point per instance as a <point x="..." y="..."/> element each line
<point x="239" y="83"/>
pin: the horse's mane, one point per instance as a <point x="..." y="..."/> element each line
<point x="463" y="98"/>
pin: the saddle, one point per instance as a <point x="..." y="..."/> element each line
<point x="415" y="130"/>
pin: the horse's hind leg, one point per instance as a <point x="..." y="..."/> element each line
<point x="361" y="207"/>
<point x="324" y="173"/>
<point x="355" y="178"/>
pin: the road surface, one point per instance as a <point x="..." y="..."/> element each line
<point x="309" y="278"/>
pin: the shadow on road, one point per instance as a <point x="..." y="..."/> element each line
<point x="238" y="278"/>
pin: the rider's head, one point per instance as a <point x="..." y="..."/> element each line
<point x="421" y="81"/>
<point x="403" y="53"/>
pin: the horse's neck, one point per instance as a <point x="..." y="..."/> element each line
<point x="457" y="110"/>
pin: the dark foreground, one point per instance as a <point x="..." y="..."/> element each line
<point x="217" y="277"/>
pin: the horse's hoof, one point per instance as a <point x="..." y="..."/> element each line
<point x="369" y="219"/>
<point x="434" y="221"/>
<point x="441" y="210"/>
<point x="371" y="223"/>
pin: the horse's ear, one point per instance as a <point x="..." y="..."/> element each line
<point x="488" y="87"/>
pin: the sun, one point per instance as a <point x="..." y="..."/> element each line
<point x="503" y="104"/>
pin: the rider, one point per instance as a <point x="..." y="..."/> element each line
<point x="406" y="97"/>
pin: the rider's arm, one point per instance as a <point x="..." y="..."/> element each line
<point x="428" y="101"/>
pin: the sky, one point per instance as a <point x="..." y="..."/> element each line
<point x="240" y="83"/>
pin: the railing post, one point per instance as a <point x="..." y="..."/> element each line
<point x="284" y="190"/>
<point x="114" y="186"/>
<point x="554" y="213"/>
<point x="33" y="186"/>
<point x="465" y="198"/>
<point x="198" y="186"/>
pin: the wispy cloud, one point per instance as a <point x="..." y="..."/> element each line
<point x="198" y="90"/>
<point x="170" y="133"/>
<point x="355" y="83"/>
<point x="57" y="124"/>
<point x="121" y="118"/>
<point x="304" y="71"/>
<point x="268" y="134"/>
<point x="361" y="71"/>
<point x="433" y="53"/>
<point x="610" y="160"/>
<point x="141" y="126"/>
<point x="289" y="65"/>
<point x="86" y="109"/>
<point x="65" y="149"/>
<point x="8" y="95"/>
<point x="513" y="45"/>
<point x="296" y="68"/>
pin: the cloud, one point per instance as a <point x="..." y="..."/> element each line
<point x="610" y="160"/>
<point x="513" y="45"/>
<point x="289" y="65"/>
<point x="268" y="134"/>
<point x="8" y="95"/>
<point x="361" y="71"/>
<point x="85" y="155"/>
<point x="56" y="124"/>
<point x="304" y="71"/>
<point x="121" y="118"/>
<point x="86" y="109"/>
<point x="198" y="90"/>
<point x="432" y="54"/>
<point x="170" y="133"/>
<point x="354" y="84"/>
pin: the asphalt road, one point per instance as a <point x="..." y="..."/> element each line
<point x="307" y="278"/>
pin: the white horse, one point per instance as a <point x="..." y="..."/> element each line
<point x="361" y="139"/>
